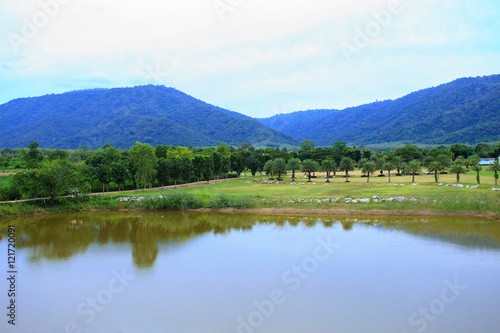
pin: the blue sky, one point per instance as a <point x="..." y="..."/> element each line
<point x="252" y="56"/>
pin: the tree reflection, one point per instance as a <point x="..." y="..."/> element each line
<point x="62" y="236"/>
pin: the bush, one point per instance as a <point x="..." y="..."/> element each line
<point x="225" y="201"/>
<point x="10" y="193"/>
<point x="172" y="200"/>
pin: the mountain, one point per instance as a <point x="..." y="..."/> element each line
<point x="122" y="116"/>
<point x="466" y="110"/>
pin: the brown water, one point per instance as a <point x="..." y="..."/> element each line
<point x="187" y="272"/>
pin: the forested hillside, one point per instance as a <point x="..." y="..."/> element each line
<point x="466" y="110"/>
<point x="122" y="116"/>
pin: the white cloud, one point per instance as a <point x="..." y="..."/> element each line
<point x="262" y="57"/>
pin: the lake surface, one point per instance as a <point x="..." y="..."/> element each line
<point x="192" y="273"/>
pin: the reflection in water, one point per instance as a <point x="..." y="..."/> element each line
<point x="61" y="236"/>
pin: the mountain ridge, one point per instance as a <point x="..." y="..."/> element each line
<point x="465" y="110"/>
<point x="122" y="116"/>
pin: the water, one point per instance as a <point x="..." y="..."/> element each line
<point x="187" y="272"/>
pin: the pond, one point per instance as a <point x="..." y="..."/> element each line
<point x="121" y="272"/>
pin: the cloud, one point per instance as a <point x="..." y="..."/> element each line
<point x="259" y="57"/>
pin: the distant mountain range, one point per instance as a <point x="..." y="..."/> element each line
<point x="466" y="110"/>
<point x="122" y="116"/>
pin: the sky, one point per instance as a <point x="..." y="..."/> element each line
<point x="257" y="57"/>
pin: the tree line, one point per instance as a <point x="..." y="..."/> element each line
<point x="56" y="173"/>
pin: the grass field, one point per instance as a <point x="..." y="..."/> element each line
<point x="252" y="192"/>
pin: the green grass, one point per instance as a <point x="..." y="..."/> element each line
<point x="252" y="193"/>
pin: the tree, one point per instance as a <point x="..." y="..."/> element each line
<point x="279" y="167"/>
<point x="458" y="169"/>
<point x="237" y="163"/>
<point x="414" y="167"/>
<point x="53" y="179"/>
<point x="142" y="156"/>
<point x="309" y="166"/>
<point x="119" y="173"/>
<point x="398" y="163"/>
<point x="409" y="153"/>
<point x="163" y="168"/>
<point x="346" y="165"/>
<point x="186" y="168"/>
<point x="175" y="169"/>
<point x="57" y="154"/>
<point x="388" y="166"/>
<point x="444" y="160"/>
<point x="306" y="145"/>
<point x="369" y="168"/>
<point x="471" y="161"/>
<point x="459" y="149"/>
<point x="329" y="165"/>
<point x="217" y="160"/>
<point x="198" y="165"/>
<point x="268" y="168"/>
<point x="33" y="156"/>
<point x="495" y="167"/>
<point x="293" y="164"/>
<point x="477" y="168"/>
<point x="435" y="167"/>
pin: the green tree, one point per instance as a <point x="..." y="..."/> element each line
<point x="495" y="167"/>
<point x="268" y="168"/>
<point x="306" y="145"/>
<point x="435" y="167"/>
<point x="53" y="179"/>
<point x="414" y="167"/>
<point x="293" y="164"/>
<point x="477" y="168"/>
<point x="388" y="166"/>
<point x="237" y="163"/>
<point x="279" y="167"/>
<point x="218" y="166"/>
<point x="142" y="156"/>
<point x="119" y="173"/>
<point x="459" y="149"/>
<point x="369" y="168"/>
<point x="163" y="168"/>
<point x="329" y="165"/>
<point x="309" y="166"/>
<point x="346" y="165"/>
<point x="57" y="154"/>
<point x="175" y="169"/>
<point x="198" y="165"/>
<point x="33" y="156"/>
<point x="471" y="161"/>
<point x="458" y="169"/>
<point x="398" y="163"/>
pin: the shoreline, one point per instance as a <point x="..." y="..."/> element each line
<point x="284" y="211"/>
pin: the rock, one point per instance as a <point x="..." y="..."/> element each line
<point x="413" y="200"/>
<point x="326" y="200"/>
<point x="364" y="200"/>
<point x="415" y="184"/>
<point x="390" y="199"/>
<point x="354" y="201"/>
<point x="399" y="199"/>
<point x="376" y="199"/>
<point x="440" y="184"/>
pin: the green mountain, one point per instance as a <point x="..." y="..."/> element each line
<point x="466" y="110"/>
<point x="122" y="116"/>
